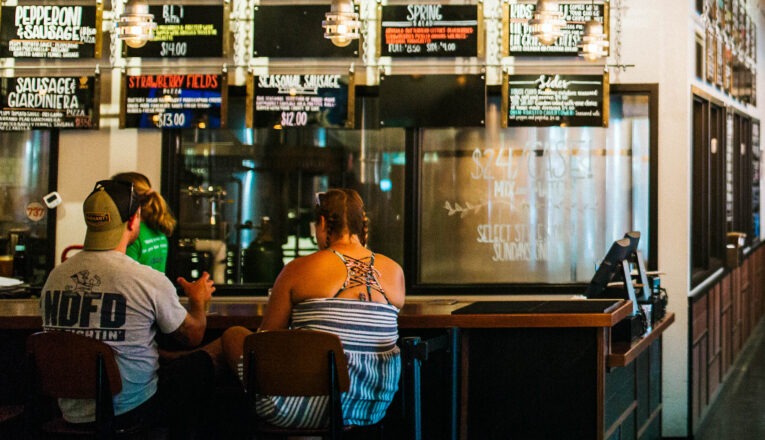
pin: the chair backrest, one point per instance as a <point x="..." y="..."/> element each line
<point x="294" y="362"/>
<point x="66" y="365"/>
<point x="69" y="249"/>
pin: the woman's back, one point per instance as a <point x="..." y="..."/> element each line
<point x="330" y="273"/>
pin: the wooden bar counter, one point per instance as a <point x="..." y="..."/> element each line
<point x="419" y="312"/>
<point x="532" y="368"/>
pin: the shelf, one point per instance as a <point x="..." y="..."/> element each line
<point x="622" y="353"/>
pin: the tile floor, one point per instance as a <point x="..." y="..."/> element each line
<point x="739" y="411"/>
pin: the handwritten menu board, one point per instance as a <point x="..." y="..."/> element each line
<point x="50" y="31"/>
<point x="173" y="101"/>
<point x="430" y="30"/>
<point x="294" y="31"/>
<point x="522" y="43"/>
<point x="48" y="102"/>
<point x="184" y="31"/>
<point x="554" y="99"/>
<point x="300" y="100"/>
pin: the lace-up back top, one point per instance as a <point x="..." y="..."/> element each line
<point x="361" y="272"/>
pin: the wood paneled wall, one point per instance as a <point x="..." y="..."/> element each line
<point x="722" y="319"/>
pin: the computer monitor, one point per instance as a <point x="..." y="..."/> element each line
<point x="609" y="278"/>
<point x="637" y="268"/>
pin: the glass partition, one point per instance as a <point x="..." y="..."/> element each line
<point x="245" y="198"/>
<point x="532" y="204"/>
<point x="28" y="162"/>
<point x="463" y="210"/>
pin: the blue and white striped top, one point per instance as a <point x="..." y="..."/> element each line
<point x="368" y="331"/>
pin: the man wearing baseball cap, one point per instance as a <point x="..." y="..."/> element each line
<point x="102" y="293"/>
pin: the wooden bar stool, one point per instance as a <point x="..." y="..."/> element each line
<point x="66" y="365"/>
<point x="297" y="363"/>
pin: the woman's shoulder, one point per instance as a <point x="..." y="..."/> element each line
<point x="307" y="263"/>
<point x="383" y="261"/>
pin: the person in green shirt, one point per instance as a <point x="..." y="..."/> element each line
<point x="157" y="223"/>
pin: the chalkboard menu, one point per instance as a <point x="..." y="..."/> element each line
<point x="294" y="31"/>
<point x="522" y="43"/>
<point x="431" y="30"/>
<point x="173" y="101"/>
<point x="50" y="31"/>
<point x="432" y="101"/>
<point x="300" y="100"/>
<point x="184" y="31"/>
<point x="48" y="102"/>
<point x="555" y="99"/>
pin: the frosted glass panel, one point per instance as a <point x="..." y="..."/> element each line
<point x="532" y="205"/>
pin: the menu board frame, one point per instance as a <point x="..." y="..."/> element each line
<point x="223" y="33"/>
<point x="5" y="14"/>
<point x="222" y="78"/>
<point x="400" y="16"/>
<point x="294" y="115"/>
<point x="304" y="37"/>
<point x="31" y="90"/>
<point x="572" y="32"/>
<point x="557" y="80"/>
<point x="432" y="100"/>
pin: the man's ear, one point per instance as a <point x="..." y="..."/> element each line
<point x="134" y="222"/>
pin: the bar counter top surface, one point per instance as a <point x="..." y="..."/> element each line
<point x="418" y="312"/>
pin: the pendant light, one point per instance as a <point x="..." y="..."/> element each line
<point x="342" y="23"/>
<point x="547" y="24"/>
<point x="594" y="40"/>
<point x="135" y="25"/>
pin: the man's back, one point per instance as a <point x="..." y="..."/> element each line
<point x="108" y="296"/>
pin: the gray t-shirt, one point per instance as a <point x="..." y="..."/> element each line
<point x="108" y="296"/>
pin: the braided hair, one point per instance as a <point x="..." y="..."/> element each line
<point x="343" y="210"/>
<point x="154" y="210"/>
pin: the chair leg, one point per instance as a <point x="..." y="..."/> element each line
<point x="335" y="406"/>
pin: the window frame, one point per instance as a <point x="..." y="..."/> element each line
<point x="708" y="193"/>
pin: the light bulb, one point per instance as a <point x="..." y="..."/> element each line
<point x="340" y="41"/>
<point x="135" y="43"/>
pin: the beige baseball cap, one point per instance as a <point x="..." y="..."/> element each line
<point x="107" y="210"/>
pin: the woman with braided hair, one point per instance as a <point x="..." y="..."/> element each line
<point x="157" y="223"/>
<point x="346" y="289"/>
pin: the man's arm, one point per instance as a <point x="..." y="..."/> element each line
<point x="192" y="330"/>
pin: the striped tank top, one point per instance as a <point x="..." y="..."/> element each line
<point x="368" y="331"/>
